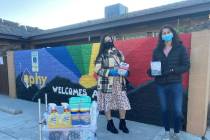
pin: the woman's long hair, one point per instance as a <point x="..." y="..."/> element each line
<point x="175" y="40"/>
<point x="102" y="49"/>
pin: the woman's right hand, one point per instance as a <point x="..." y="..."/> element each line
<point x="113" y="72"/>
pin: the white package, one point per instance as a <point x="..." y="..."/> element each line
<point x="155" y="68"/>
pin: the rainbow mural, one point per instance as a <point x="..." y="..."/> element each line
<point x="61" y="72"/>
<point x="84" y="57"/>
<point x="66" y="71"/>
<point x="75" y="63"/>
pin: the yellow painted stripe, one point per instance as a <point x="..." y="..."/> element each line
<point x="95" y="50"/>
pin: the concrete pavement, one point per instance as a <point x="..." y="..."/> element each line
<point x="24" y="126"/>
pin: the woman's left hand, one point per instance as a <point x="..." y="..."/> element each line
<point x="123" y="73"/>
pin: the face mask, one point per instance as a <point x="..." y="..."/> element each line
<point x="108" y="45"/>
<point x="167" y="37"/>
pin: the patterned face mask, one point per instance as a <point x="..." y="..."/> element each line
<point x="108" y="45"/>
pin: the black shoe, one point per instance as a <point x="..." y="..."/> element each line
<point x="111" y="127"/>
<point x="122" y="126"/>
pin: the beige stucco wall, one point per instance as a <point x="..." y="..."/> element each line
<point x="199" y="83"/>
<point x="11" y="74"/>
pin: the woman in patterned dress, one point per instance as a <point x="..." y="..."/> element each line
<point x="111" y="84"/>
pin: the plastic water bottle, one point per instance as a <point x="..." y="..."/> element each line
<point x="94" y="114"/>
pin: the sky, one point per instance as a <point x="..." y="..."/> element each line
<point x="48" y="14"/>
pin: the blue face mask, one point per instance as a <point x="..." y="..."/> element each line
<point x="167" y="37"/>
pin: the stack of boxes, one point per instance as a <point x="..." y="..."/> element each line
<point x="80" y="110"/>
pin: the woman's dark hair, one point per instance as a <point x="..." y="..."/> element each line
<point x="102" y="49"/>
<point x="175" y="41"/>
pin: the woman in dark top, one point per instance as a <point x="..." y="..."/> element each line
<point x="173" y="59"/>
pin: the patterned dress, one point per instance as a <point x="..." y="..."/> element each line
<point x="117" y="100"/>
<point x="111" y="95"/>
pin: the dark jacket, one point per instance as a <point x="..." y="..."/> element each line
<point x="172" y="66"/>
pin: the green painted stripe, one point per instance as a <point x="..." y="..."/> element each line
<point x="75" y="53"/>
<point x="81" y="56"/>
<point x="86" y="55"/>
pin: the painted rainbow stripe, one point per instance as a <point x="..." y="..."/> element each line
<point x="84" y="57"/>
<point x="88" y="80"/>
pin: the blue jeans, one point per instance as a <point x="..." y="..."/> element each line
<point x="175" y="91"/>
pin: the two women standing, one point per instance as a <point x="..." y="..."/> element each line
<point x="172" y="57"/>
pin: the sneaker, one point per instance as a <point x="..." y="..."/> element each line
<point x="166" y="136"/>
<point x="177" y="136"/>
